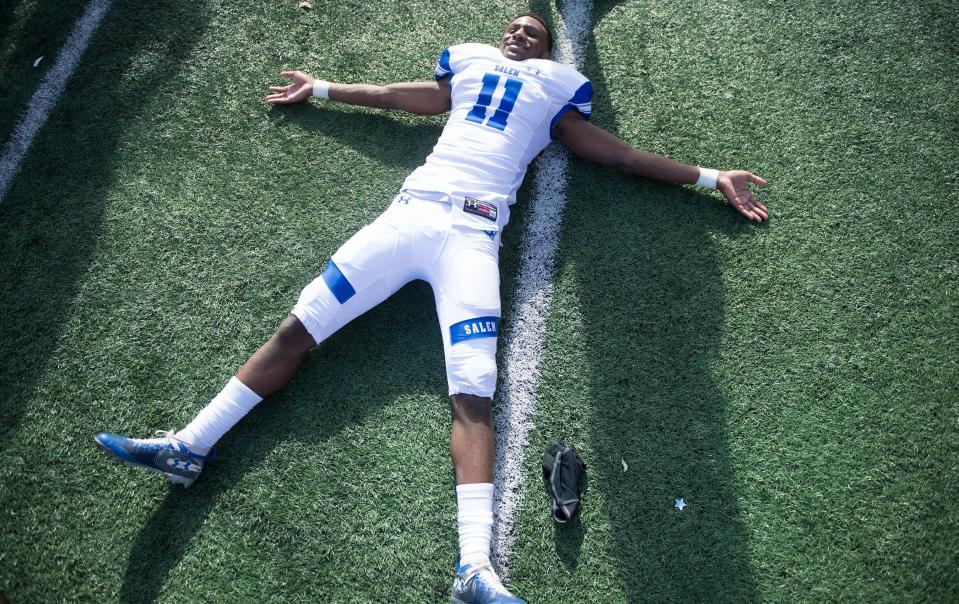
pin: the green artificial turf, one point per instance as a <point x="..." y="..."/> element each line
<point x="30" y="32"/>
<point x="794" y="381"/>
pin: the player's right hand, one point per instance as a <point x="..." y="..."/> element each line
<point x="297" y="92"/>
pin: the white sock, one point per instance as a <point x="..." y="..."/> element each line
<point x="475" y="520"/>
<point x="223" y="412"/>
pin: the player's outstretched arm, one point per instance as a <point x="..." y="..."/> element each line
<point x="595" y="144"/>
<point x="422" y="98"/>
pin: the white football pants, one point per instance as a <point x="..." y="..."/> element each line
<point x="416" y="239"/>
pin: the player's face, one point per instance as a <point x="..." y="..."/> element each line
<point x="524" y="38"/>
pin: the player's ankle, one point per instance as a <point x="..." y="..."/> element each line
<point x="474" y="559"/>
<point x="192" y="448"/>
<point x="204" y="451"/>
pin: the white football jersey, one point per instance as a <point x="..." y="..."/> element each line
<point x="502" y="116"/>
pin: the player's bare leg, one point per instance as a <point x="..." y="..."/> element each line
<point x="273" y="365"/>
<point x="471" y="448"/>
<point x="269" y="369"/>
<point x="472" y="440"/>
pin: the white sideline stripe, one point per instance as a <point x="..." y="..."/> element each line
<point x="524" y="347"/>
<point x="46" y="95"/>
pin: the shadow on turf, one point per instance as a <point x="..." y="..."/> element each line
<point x="655" y="335"/>
<point x="569" y="542"/>
<point x="40" y="32"/>
<point x="652" y="301"/>
<point x="50" y="218"/>
<point x="312" y="408"/>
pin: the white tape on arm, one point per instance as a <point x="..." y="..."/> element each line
<point x="707" y="177"/>
<point x="321" y="89"/>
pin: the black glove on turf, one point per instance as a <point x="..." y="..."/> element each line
<point x="563" y="471"/>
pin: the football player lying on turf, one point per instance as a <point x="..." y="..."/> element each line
<point x="505" y="104"/>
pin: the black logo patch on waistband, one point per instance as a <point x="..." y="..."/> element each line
<point x="481" y="208"/>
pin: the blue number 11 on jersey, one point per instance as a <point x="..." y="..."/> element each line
<point x="498" y="120"/>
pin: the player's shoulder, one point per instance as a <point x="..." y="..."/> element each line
<point x="567" y="82"/>
<point x="559" y="71"/>
<point x="460" y="56"/>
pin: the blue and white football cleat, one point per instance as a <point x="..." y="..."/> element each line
<point x="166" y="455"/>
<point x="480" y="585"/>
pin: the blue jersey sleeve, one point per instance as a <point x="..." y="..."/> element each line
<point x="443" y="68"/>
<point x="582" y="101"/>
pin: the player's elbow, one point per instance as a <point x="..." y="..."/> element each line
<point x="636" y="163"/>
<point x="625" y="162"/>
<point x="383" y="97"/>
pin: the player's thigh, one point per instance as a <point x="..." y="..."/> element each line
<point x="468" y="305"/>
<point x="366" y="270"/>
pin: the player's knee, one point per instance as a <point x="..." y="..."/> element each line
<point x="473" y="374"/>
<point x="292" y="336"/>
<point x="472" y="409"/>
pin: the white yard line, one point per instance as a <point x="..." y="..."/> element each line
<point x="524" y="348"/>
<point x="48" y="92"/>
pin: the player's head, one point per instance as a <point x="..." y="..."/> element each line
<point x="526" y="37"/>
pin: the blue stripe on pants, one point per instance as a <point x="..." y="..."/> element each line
<point x="337" y="282"/>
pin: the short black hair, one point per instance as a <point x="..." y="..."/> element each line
<point x="549" y="32"/>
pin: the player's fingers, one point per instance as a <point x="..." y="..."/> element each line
<point x="277" y="99"/>
<point x="758" y="208"/>
<point x="756" y="180"/>
<point x="290" y="75"/>
<point x="278" y="88"/>
<point x="741" y="207"/>
<point x="749" y="210"/>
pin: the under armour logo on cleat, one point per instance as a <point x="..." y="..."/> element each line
<point x="183" y="464"/>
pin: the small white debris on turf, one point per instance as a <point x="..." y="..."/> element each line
<point x="625" y="467"/>
<point x="304" y="5"/>
<point x="37" y="62"/>
<point x="680" y="504"/>
<point x="49" y="90"/>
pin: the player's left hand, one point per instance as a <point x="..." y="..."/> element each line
<point x="733" y="186"/>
